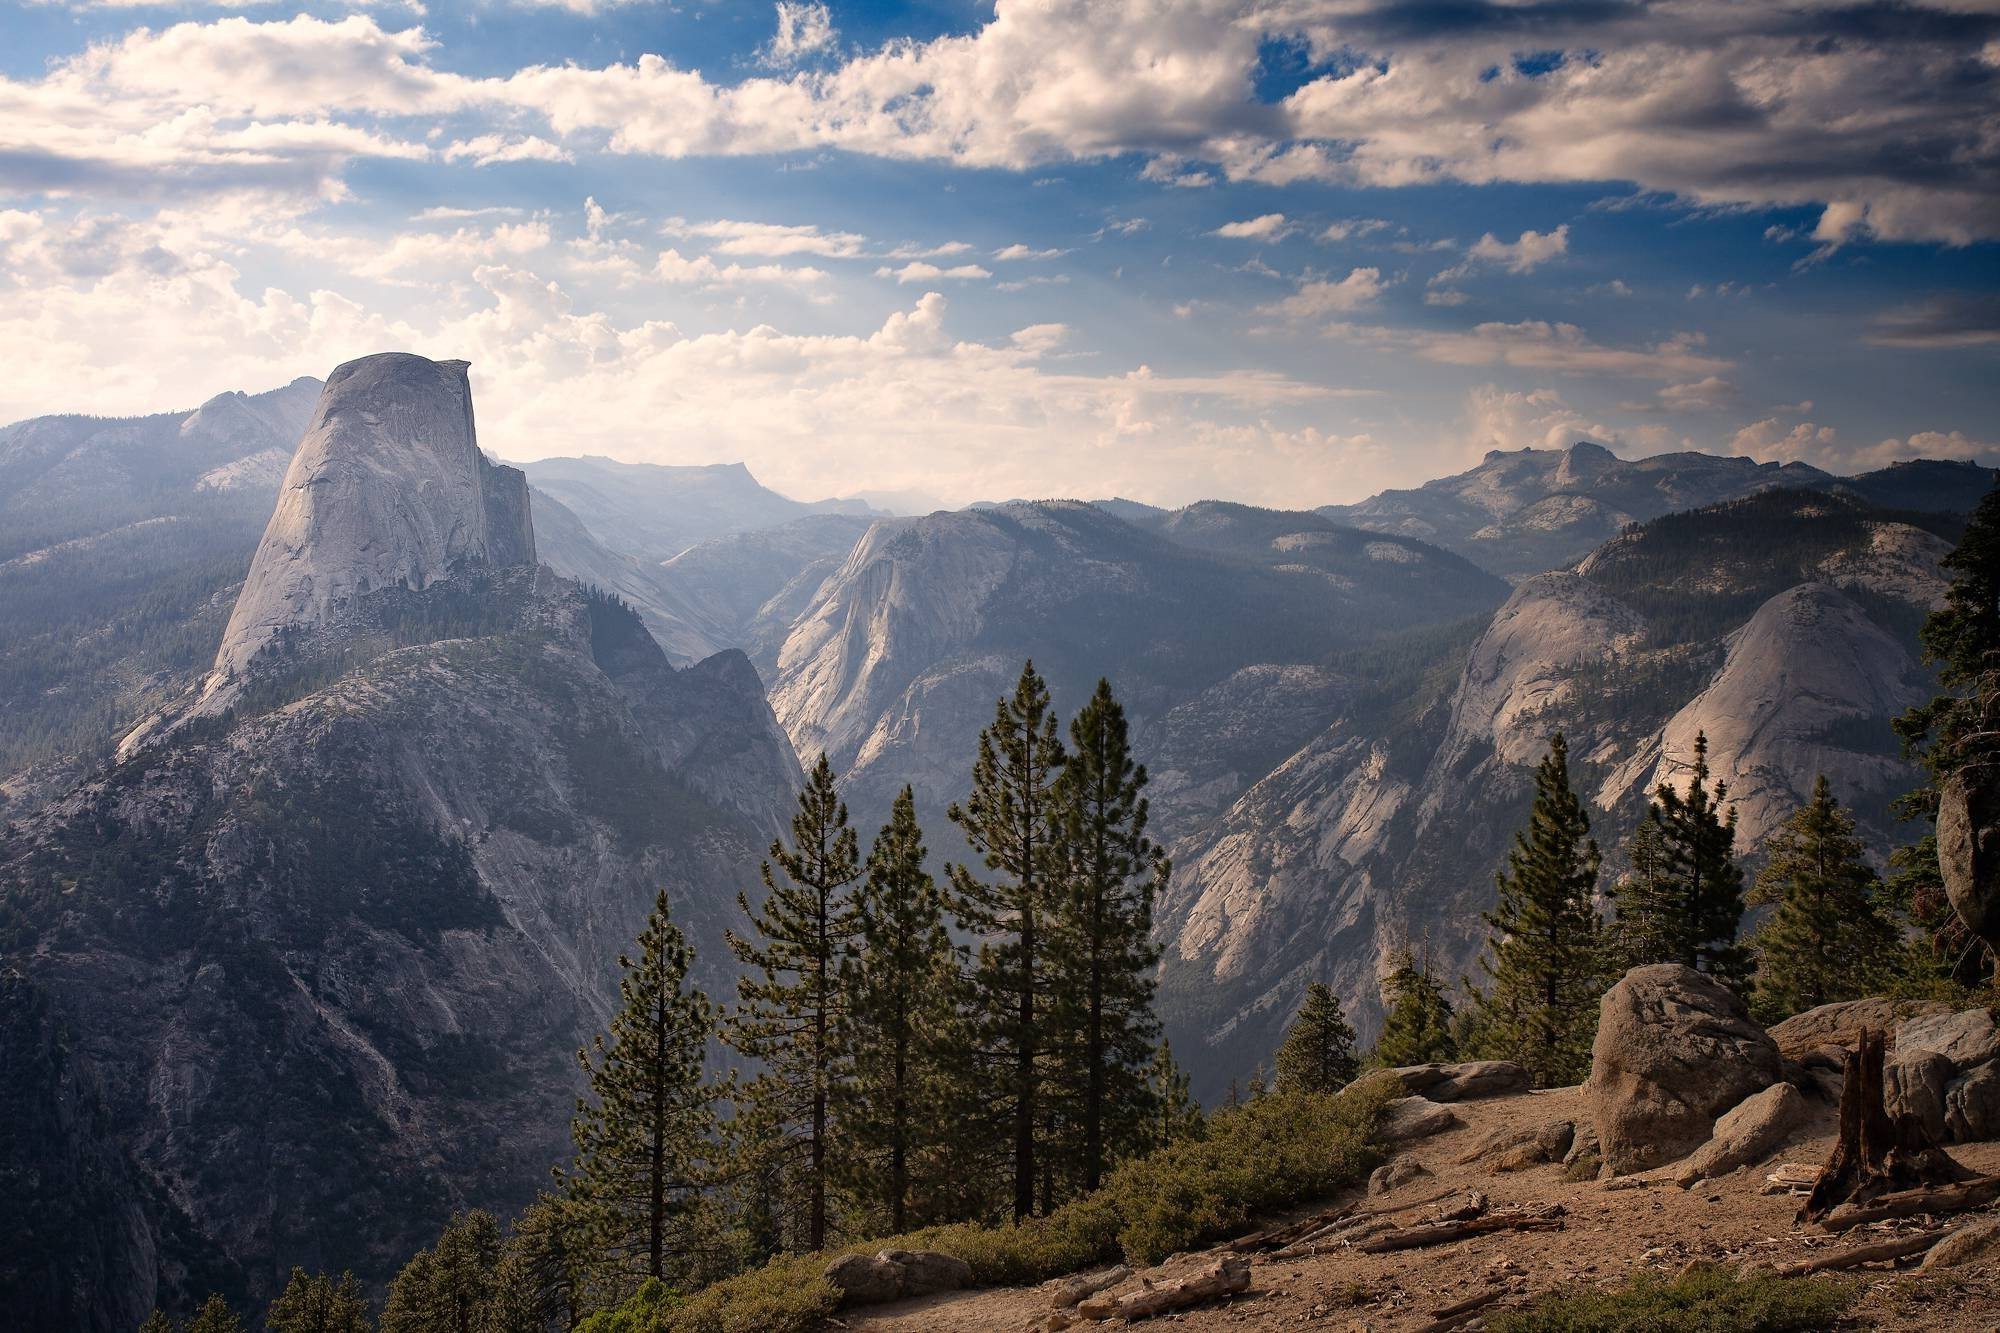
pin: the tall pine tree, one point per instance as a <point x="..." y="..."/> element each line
<point x="901" y="989"/>
<point x="1007" y="821"/>
<point x="1545" y="953"/>
<point x="317" y="1303"/>
<point x="790" y="1016"/>
<point x="1417" y="1030"/>
<point x="1644" y="899"/>
<point x="1101" y="952"/>
<point x="1694" y="906"/>
<point x="1176" y="1115"/>
<point x="1828" y="938"/>
<point x="1317" y="1054"/>
<point x="645" y="1134"/>
<point x="447" y="1288"/>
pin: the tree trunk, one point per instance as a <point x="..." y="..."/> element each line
<point x="1875" y="1155"/>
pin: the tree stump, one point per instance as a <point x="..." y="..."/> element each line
<point x="1876" y="1153"/>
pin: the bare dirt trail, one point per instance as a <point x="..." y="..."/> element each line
<point x="1609" y="1234"/>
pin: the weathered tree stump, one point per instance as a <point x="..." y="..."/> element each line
<point x="1876" y="1153"/>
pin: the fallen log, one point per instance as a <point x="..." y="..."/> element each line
<point x="1451" y="1316"/>
<point x="1225" y="1277"/>
<point x="1444" y="1233"/>
<point x="1087" y="1284"/>
<point x="1901" y="1247"/>
<point x="1340" y="1233"/>
<point x="1272" y="1237"/>
<point x="1974" y="1193"/>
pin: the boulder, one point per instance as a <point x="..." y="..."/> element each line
<point x="1968" y="839"/>
<point x="1821" y="1033"/>
<point x="1975" y="1242"/>
<point x="926" y="1271"/>
<point x="1521" y="1147"/>
<point x="1972" y="1106"/>
<point x="1410" y="1118"/>
<point x="1756" y="1128"/>
<point x="888" y="1275"/>
<point x="1464" y="1082"/>
<point x="1913" y="1083"/>
<point x="1967" y="1038"/>
<point x="1674" y="1050"/>
<point x="1395" y="1173"/>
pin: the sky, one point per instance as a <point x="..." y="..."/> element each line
<point x="1289" y="252"/>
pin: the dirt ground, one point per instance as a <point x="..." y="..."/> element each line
<point x="1608" y="1235"/>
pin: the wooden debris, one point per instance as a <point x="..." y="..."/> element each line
<point x="1451" y="1316"/>
<point x="1974" y="1193"/>
<point x="1444" y="1233"/>
<point x="1087" y="1284"/>
<point x="1875" y="1154"/>
<point x="1475" y="1205"/>
<point x="1274" y="1237"/>
<point x="1900" y="1247"/>
<point x="1791" y="1178"/>
<point x="1225" y="1277"/>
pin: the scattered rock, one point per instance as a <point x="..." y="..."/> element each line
<point x="1913" y="1083"/>
<point x="1972" y="1106"/>
<point x="1755" y="1129"/>
<point x="1967" y="1038"/>
<point x="1836" y="1027"/>
<point x="1520" y="1148"/>
<point x="1973" y="1241"/>
<point x="890" y="1275"/>
<point x="1395" y="1173"/>
<point x="1410" y="1118"/>
<point x="1464" y="1082"/>
<point x="1674" y="1049"/>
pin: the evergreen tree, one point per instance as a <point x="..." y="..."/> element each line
<point x="1417" y="1029"/>
<point x="1545" y="950"/>
<point x="1176" y="1115"/>
<point x="1317" y="1054"/>
<point x="1641" y="933"/>
<point x="1698" y="909"/>
<point x="1102" y="957"/>
<point x="1828" y="937"/>
<point x="1007" y="820"/>
<point x="215" y="1316"/>
<point x="790" y="1016"/>
<point x="1954" y="729"/>
<point x="157" y="1322"/>
<point x="900" y="992"/>
<point x="544" y="1272"/>
<point x="644" y="1136"/>
<point x="317" y="1303"/>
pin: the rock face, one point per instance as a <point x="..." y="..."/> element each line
<point x="388" y="489"/>
<point x="1674" y="1050"/>
<point x="329" y="984"/>
<point x="1968" y="836"/>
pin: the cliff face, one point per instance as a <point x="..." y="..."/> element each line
<point x="388" y="489"/>
<point x="320" y="962"/>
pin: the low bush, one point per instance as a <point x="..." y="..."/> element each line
<point x="1702" y="1300"/>
<point x="1272" y="1153"/>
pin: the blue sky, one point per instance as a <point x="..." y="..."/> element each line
<point x="1284" y="251"/>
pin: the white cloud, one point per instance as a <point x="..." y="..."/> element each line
<point x="1772" y="441"/>
<point x="1509" y="419"/>
<point x="919" y="271"/>
<point x="1269" y="227"/>
<point x="1352" y="229"/>
<point x="1539" y="345"/>
<point x="733" y="237"/>
<point x="486" y="149"/>
<point x="701" y="271"/>
<point x="803" y="30"/>
<point x="1702" y="395"/>
<point x="1316" y="298"/>
<point x="1016" y="251"/>
<point x="1531" y="251"/>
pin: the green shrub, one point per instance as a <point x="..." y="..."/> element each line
<point x="1271" y="1153"/>
<point x="1702" y="1300"/>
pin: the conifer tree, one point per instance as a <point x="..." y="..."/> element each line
<point x="1176" y="1115"/>
<point x="1102" y="959"/>
<point x="1828" y="937"/>
<point x="447" y="1288"/>
<point x="1700" y="909"/>
<point x="318" y="1303"/>
<point x="1317" y="1054"/>
<point x="544" y="1270"/>
<point x="1545" y="950"/>
<point x="1642" y="933"/>
<point x="1417" y="1029"/>
<point x="900" y="991"/>
<point x="158" y="1322"/>
<point x="215" y="1316"/>
<point x="644" y="1136"/>
<point x="1007" y="821"/>
<point x="790" y="1016"/>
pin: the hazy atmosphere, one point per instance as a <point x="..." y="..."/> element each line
<point x="1281" y="251"/>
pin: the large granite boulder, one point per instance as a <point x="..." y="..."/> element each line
<point x="889" y="1275"/>
<point x="1674" y="1050"/>
<point x="1756" y="1128"/>
<point x="1972" y="1105"/>
<point x="1968" y="838"/>
<point x="1840" y="1024"/>
<point x="1968" y="1038"/>
<point x="1913" y="1084"/>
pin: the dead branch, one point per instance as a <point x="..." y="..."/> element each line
<point x="1225" y="1277"/>
<point x="1901" y="1247"/>
<point x="1975" y="1193"/>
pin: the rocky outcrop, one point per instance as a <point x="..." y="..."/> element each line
<point x="1464" y="1082"/>
<point x="388" y="489"/>
<point x="890" y="1275"/>
<point x="1674" y="1050"/>
<point x="1841" y="1023"/>
<point x="1407" y="1119"/>
<point x="1968" y="837"/>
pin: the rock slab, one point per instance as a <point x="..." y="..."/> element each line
<point x="1756" y="1128"/>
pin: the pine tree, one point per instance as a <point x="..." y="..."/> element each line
<point x="790" y="1016"/>
<point x="1176" y="1115"/>
<point x="1006" y="820"/>
<point x="1546" y="950"/>
<point x="544" y="1271"/>
<point x="317" y="1303"/>
<point x="215" y="1316"/>
<point x="157" y="1322"/>
<point x="1317" y="1054"/>
<point x="1101" y="954"/>
<point x="1702" y="909"/>
<point x="1642" y="932"/>
<point x="447" y="1288"/>
<point x="1828" y="937"/>
<point x="1417" y="1029"/>
<point x="900" y="990"/>
<point x="644" y="1136"/>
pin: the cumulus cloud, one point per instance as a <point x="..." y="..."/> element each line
<point x="486" y="149"/>
<point x="1319" y="297"/>
<point x="1531" y="251"/>
<point x="702" y="271"/>
<point x="1541" y="346"/>
<point x="734" y="237"/>
<point x="1269" y="227"/>
<point x="803" y="30"/>
<point x="919" y="271"/>
<point x="1508" y="419"/>
<point x="1018" y="251"/>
